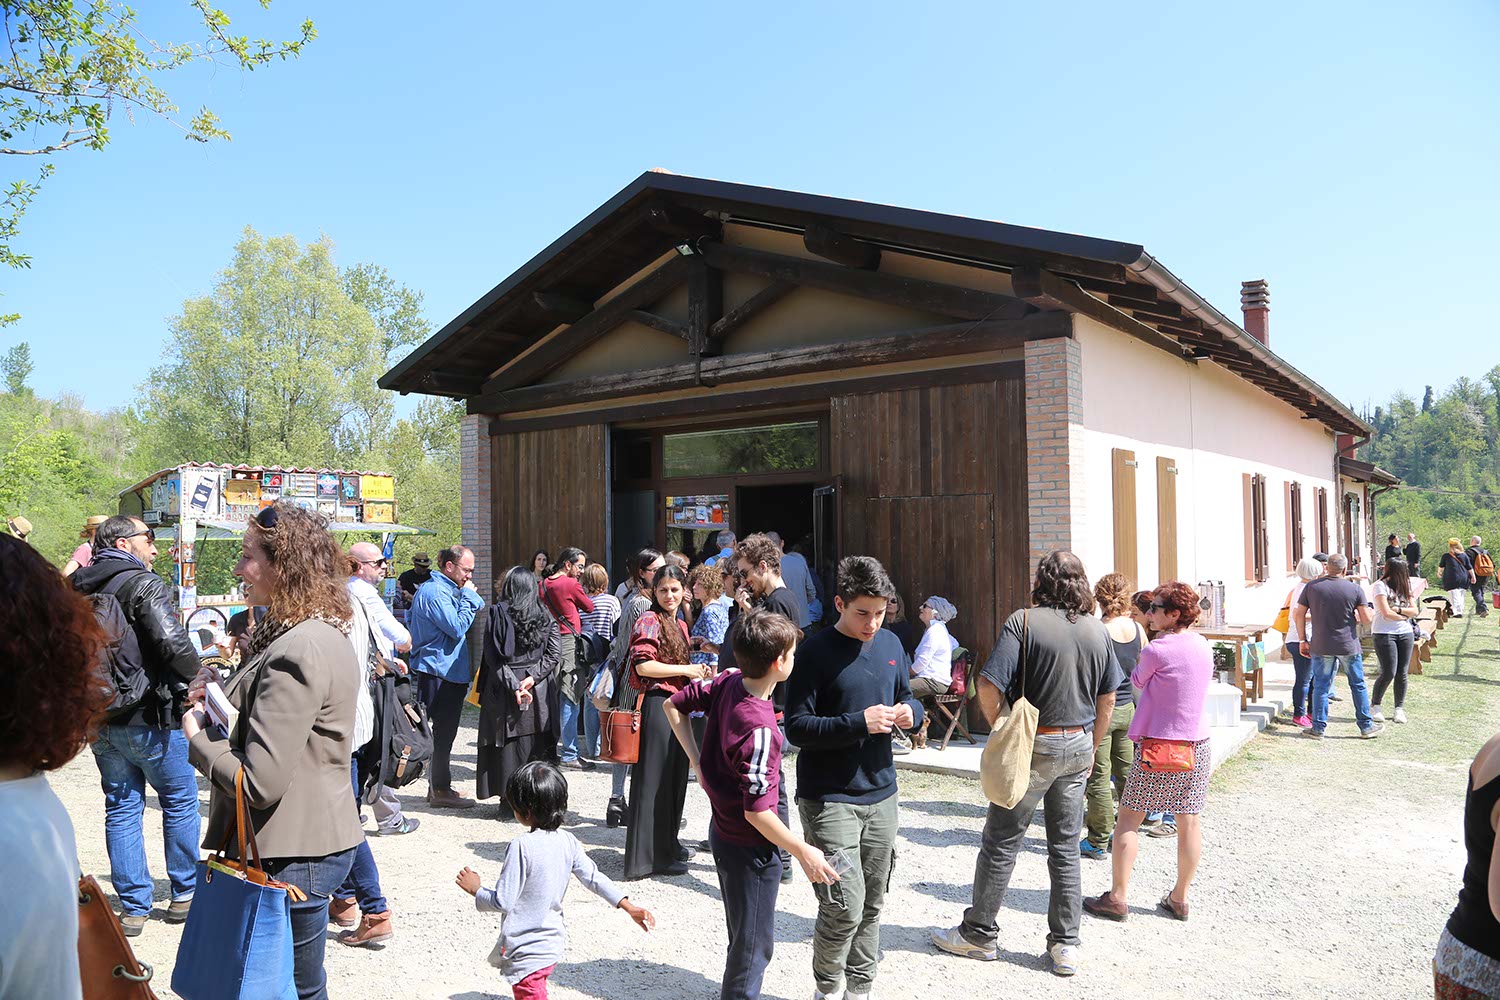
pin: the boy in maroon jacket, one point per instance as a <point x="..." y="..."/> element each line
<point x="739" y="768"/>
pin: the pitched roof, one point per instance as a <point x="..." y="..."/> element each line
<point x="659" y="210"/>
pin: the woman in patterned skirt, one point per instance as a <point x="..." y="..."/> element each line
<point x="1172" y="678"/>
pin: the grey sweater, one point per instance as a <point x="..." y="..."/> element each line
<point x="529" y="895"/>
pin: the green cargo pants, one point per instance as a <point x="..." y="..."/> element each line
<point x="846" y="937"/>
<point x="1112" y="759"/>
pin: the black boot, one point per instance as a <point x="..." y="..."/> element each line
<point x="614" y="813"/>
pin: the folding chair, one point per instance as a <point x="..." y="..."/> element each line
<point x="949" y="706"/>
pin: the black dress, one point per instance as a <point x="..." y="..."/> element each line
<point x="658" y="781"/>
<point x="509" y="735"/>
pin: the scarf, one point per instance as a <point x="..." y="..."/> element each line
<point x="269" y="629"/>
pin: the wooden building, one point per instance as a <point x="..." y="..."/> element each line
<point x="954" y="396"/>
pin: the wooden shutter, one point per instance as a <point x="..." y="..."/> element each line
<point x="1322" y="520"/>
<point x="1126" y="558"/>
<point x="1257" y="546"/>
<point x="1166" y="519"/>
<point x="1286" y="496"/>
<point x="1248" y="483"/>
<point x="1299" y="540"/>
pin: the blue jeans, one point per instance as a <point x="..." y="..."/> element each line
<point x="567" y="740"/>
<point x="363" y="882"/>
<point x="590" y="747"/>
<point x="128" y="758"/>
<point x="1302" y="679"/>
<point x="318" y="877"/>
<point x="1324" y="670"/>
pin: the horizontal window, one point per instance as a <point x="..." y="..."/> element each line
<point x="740" y="450"/>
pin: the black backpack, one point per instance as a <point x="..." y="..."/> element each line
<point x="119" y="665"/>
<point x="401" y="748"/>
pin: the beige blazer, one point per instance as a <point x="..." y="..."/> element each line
<point x="294" y="738"/>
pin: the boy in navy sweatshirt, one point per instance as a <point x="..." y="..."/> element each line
<point x="739" y="767"/>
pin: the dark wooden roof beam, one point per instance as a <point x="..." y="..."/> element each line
<point x="681" y="224"/>
<point x="705" y="306"/>
<point x="561" y="307"/>
<point x="661" y="323"/>
<point x="552" y="351"/>
<point x="745" y="311"/>
<point x="829" y="243"/>
<point x="879" y="286"/>
<point x="1049" y="291"/>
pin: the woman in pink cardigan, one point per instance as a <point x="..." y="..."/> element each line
<point x="1172" y="679"/>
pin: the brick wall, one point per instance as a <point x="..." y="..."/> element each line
<point x="477" y="498"/>
<point x="1054" y="444"/>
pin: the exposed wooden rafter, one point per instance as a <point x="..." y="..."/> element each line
<point x="705" y="306"/>
<point x="1042" y="288"/>
<point x="661" y="323"/>
<point x="751" y="307"/>
<point x="562" y="307"/>
<point x="913" y="293"/>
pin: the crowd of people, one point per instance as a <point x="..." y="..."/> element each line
<point x="727" y="665"/>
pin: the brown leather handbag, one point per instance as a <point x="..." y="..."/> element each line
<point x="106" y="964"/>
<point x="620" y="732"/>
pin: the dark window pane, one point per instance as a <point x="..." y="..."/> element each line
<point x="772" y="448"/>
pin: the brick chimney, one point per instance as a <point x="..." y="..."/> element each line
<point x="1255" y="300"/>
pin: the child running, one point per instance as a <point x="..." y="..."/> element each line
<point x="740" y="770"/>
<point x="533" y="881"/>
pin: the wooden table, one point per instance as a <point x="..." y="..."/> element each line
<point x="1252" y="682"/>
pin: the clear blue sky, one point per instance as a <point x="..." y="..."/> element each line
<point x="1347" y="152"/>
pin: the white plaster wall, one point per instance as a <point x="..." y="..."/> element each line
<point x="1216" y="427"/>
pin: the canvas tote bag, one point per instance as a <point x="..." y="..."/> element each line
<point x="237" y="944"/>
<point x="1005" y="765"/>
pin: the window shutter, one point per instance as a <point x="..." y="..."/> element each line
<point x="1299" y="540"/>
<point x="1322" y="519"/>
<point x="1291" y="555"/>
<point x="1166" y="519"/>
<point x="1262" y="537"/>
<point x="1249" y="490"/>
<point x="1126" y="557"/>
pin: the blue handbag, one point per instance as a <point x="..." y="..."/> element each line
<point x="237" y="944"/>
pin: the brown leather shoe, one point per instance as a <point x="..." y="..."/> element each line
<point x="1179" y="911"/>
<point x="1106" y="906"/>
<point x="374" y="928"/>
<point x="344" y="912"/>
<point x="447" y="798"/>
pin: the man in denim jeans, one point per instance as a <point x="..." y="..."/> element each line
<point x="1060" y="659"/>
<point x="144" y="744"/>
<point x="1337" y="606"/>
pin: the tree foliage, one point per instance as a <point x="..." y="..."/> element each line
<point x="1447" y="442"/>
<point x="73" y="64"/>
<point x="15" y="369"/>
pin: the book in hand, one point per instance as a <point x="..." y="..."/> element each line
<point x="220" y="712"/>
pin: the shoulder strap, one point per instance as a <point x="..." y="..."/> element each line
<point x="1025" y="629"/>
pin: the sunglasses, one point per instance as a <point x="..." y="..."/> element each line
<point x="1158" y="606"/>
<point x="372" y="562"/>
<point x="268" y="518"/>
<point x="150" y="534"/>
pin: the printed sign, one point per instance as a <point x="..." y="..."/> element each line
<point x="347" y="512"/>
<point x="380" y="512"/>
<point x="173" y="494"/>
<point x="348" y="488"/>
<point x="306" y="503"/>
<point x="201" y="493"/>
<point x="709" y="512"/>
<point x="271" y="481"/>
<point x="377" y="487"/>
<point x="328" y="508"/>
<point x="187" y="598"/>
<point x="242" y="491"/>
<point x="151" y="517"/>
<point x="241" y="512"/>
<point x="328" y="486"/>
<point x="299" y="484"/>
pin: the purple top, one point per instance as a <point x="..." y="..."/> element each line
<point x="740" y="760"/>
<point x="1172" y="675"/>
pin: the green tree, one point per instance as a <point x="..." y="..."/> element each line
<point x="72" y="63"/>
<point x="15" y="369"/>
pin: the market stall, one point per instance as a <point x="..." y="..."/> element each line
<point x="195" y="503"/>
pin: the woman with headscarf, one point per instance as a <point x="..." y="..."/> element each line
<point x="1458" y="574"/>
<point x="932" y="666"/>
<point x="522" y="653"/>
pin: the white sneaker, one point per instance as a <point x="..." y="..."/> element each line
<point x="954" y="943"/>
<point x="1377" y="714"/>
<point x="851" y="995"/>
<point x="1064" y="959"/>
<point x="835" y="995"/>
<point x="1401" y="716"/>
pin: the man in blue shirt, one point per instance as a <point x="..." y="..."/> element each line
<point x="439" y="621"/>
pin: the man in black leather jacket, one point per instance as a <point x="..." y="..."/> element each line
<point x="145" y="744"/>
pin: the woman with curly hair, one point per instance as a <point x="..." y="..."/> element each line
<point x="50" y="699"/>
<point x="293" y="737"/>
<point x="1112" y="759"/>
<point x="1172" y="677"/>
<point x="517" y="694"/>
<point x="1058" y="657"/>
<point x="659" y="667"/>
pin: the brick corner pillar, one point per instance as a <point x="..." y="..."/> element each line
<point x="477" y="496"/>
<point x="1054" y="445"/>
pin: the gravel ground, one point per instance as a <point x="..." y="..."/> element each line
<point x="1328" y="871"/>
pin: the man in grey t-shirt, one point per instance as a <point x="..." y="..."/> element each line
<point x="1338" y="606"/>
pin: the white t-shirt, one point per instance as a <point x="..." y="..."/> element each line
<point x="1384" y="625"/>
<point x="39" y="870"/>
<point x="934" y="658"/>
<point x="1293" y="637"/>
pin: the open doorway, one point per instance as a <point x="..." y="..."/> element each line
<point x="784" y="508"/>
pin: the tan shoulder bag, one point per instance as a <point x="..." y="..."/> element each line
<point x="1005" y="765"/>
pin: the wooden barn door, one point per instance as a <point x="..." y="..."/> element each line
<point x="550" y="491"/>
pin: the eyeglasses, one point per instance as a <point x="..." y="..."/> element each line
<point x="1158" y="606"/>
<point x="150" y="534"/>
<point x="268" y="518"/>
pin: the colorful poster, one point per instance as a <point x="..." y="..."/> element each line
<point x="348" y="488"/>
<point x="377" y="487"/>
<point x="328" y="486"/>
<point x="271" y="481"/>
<point x="241" y="512"/>
<point x="700" y="512"/>
<point x="347" y="512"/>
<point x="328" y="508"/>
<point x="380" y="512"/>
<point x="242" y="491"/>
<point x="202" y="493"/>
<point x="299" y="484"/>
<point x="173" y="495"/>
<point x="306" y="503"/>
